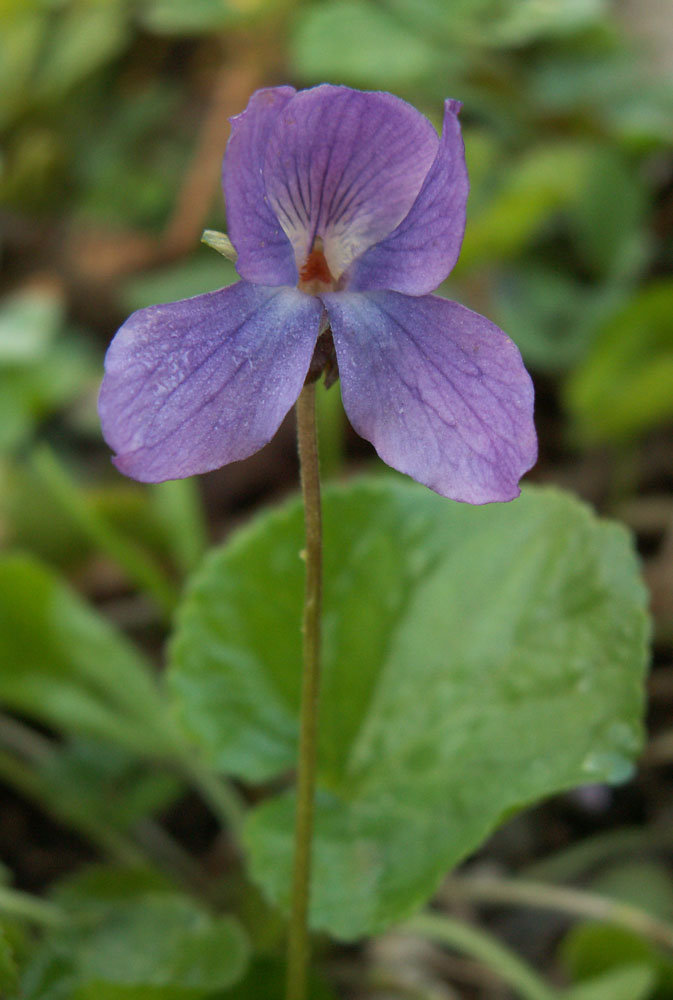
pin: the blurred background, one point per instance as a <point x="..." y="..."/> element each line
<point x="113" y="122"/>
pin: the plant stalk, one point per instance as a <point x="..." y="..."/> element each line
<point x="562" y="899"/>
<point x="14" y="903"/>
<point x="298" y="937"/>
<point x="480" y="945"/>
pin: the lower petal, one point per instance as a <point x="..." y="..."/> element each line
<point x="199" y="383"/>
<point x="440" y="392"/>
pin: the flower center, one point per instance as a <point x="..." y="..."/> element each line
<point x="315" y="275"/>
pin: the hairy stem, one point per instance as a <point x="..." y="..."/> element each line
<point x="298" y="939"/>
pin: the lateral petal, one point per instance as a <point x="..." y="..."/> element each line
<point x="440" y="392"/>
<point x="418" y="255"/>
<point x="265" y="254"/>
<point x="199" y="383"/>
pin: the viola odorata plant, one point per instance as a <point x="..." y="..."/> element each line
<point x="469" y="651"/>
<point x="345" y="211"/>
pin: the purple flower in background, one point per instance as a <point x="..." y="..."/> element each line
<point x="346" y="210"/>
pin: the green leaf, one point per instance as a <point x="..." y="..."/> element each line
<point x="164" y="944"/>
<point x="624" y="385"/>
<point x="185" y="17"/>
<point x="475" y="660"/>
<point x="29" y="321"/>
<point x="201" y="273"/>
<point x="28" y="393"/>
<point x="266" y="981"/>
<point x="609" y="214"/>
<point x="128" y="158"/>
<point x="545" y="314"/>
<point x="16" y="422"/>
<point x="530" y="192"/>
<point x="88" y="895"/>
<point x="645" y="884"/>
<point x="631" y="982"/>
<point x="108" y="783"/>
<point x="58" y="540"/>
<point x="80" y="39"/>
<point x="493" y="23"/>
<point x="49" y="974"/>
<point x="177" y="507"/>
<point x="323" y="48"/>
<point x="159" y="945"/>
<point x="8" y="969"/>
<point x="21" y="38"/>
<point x="141" y="565"/>
<point x="42" y="367"/>
<point x="529" y="20"/>
<point x="615" y="87"/>
<point x="593" y="950"/>
<point x="65" y="665"/>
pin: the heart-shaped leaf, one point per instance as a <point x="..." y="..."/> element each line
<point x="475" y="659"/>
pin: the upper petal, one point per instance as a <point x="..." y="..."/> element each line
<point x="193" y="385"/>
<point x="345" y="165"/>
<point x="265" y="254"/>
<point x="440" y="392"/>
<point x="418" y="255"/>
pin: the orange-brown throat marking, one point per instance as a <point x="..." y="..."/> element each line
<point x="315" y="275"/>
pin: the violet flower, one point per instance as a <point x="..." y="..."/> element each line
<point x="346" y="210"/>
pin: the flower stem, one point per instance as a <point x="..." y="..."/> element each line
<point x="298" y="939"/>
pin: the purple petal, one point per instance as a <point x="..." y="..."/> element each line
<point x="265" y="254"/>
<point x="417" y="256"/>
<point x="199" y="383"/>
<point x="440" y="392"/>
<point x="345" y="165"/>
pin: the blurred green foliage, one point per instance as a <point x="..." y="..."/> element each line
<point x="625" y="384"/>
<point x="44" y="365"/>
<point x="132" y="937"/>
